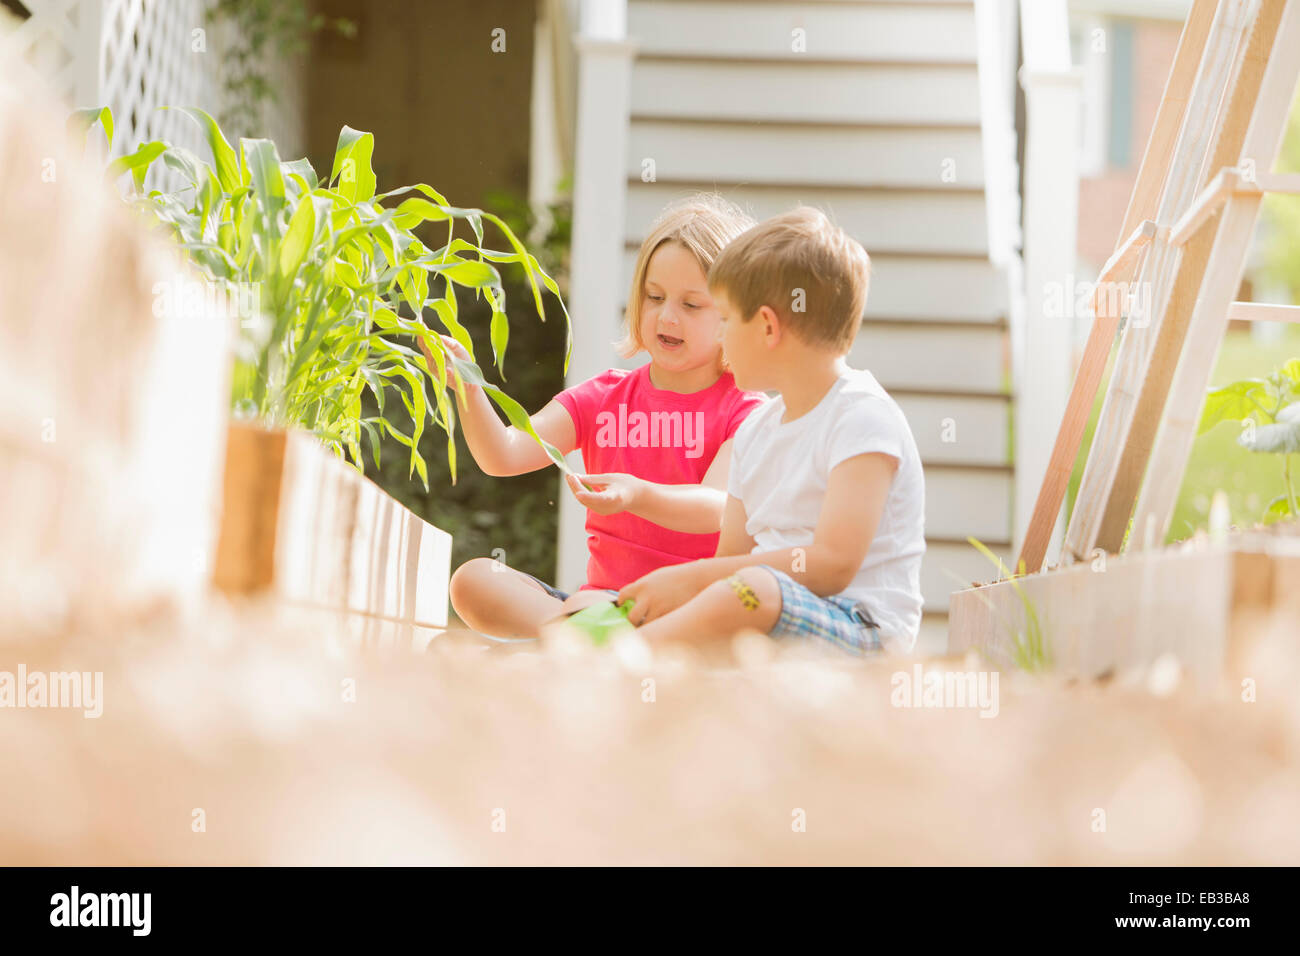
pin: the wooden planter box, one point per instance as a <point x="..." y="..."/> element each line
<point x="303" y="526"/>
<point x="1203" y="602"/>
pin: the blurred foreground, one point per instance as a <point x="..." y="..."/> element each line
<point x="461" y="756"/>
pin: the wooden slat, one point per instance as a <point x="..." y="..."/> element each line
<point x="1109" y="478"/>
<point x="1205" y="206"/>
<point x="1192" y="280"/>
<point x="1229" y="182"/>
<point x="1142" y="205"/>
<point x="1263" y="312"/>
<point x="250" y="510"/>
<point x="1209" y="306"/>
<point x="1198" y="605"/>
<point x="304" y="526"/>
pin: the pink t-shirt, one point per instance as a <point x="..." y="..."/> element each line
<point x="624" y="424"/>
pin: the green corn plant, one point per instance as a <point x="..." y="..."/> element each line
<point x="339" y="281"/>
<point x="1271" y="406"/>
<point x="1028" y="647"/>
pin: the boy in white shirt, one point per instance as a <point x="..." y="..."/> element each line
<point x="823" y="532"/>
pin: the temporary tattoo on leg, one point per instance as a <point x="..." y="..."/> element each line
<point x="743" y="591"/>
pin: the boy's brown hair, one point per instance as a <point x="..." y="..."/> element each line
<point x="702" y="224"/>
<point x="808" y="270"/>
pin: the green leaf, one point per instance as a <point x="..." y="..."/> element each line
<point x="300" y="167"/>
<point x="447" y="314"/>
<point x="369" y="427"/>
<point x="80" y="122"/>
<point x="500" y="334"/>
<point x="227" y="163"/>
<point x="352" y="170"/>
<point x="1278" y="509"/>
<point x="186" y="163"/>
<point x="412" y="212"/>
<point x="1233" y="403"/>
<point x="513" y="410"/>
<point x="1282" y="437"/>
<point x="137" y="163"/>
<point x="263" y="164"/>
<point x="470" y="274"/>
<point x="297" y="238"/>
<point x="429" y="191"/>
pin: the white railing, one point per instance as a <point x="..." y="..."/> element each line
<point x="599" y="199"/>
<point x="1041" y="342"/>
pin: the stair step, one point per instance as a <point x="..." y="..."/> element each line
<point x="927" y="221"/>
<point x="952" y="565"/>
<point x="850" y="157"/>
<point x="920" y="288"/>
<point x="880" y="32"/>
<point x="804" y="92"/>
<point x="958" y="430"/>
<point x="961" y="501"/>
<point x="946" y="358"/>
<point x="952" y="289"/>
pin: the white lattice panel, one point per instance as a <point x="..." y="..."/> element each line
<point x="151" y="56"/>
<point x="60" y="40"/>
<point x="135" y="56"/>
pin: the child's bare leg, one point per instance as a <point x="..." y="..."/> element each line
<point x="581" y="599"/>
<point x="494" y="599"/>
<point x="750" y="598"/>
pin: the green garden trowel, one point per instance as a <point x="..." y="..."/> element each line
<point x="602" y="621"/>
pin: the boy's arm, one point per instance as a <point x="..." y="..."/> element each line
<point x="850" y="514"/>
<point x="693" y="509"/>
<point x="734" y="539"/>
<point x="502" y="450"/>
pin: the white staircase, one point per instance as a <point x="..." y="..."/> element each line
<point x="878" y="123"/>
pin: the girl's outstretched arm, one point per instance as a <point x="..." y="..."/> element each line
<point x="694" y="509"/>
<point x="499" y="449"/>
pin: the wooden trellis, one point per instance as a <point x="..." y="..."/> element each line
<point x="1179" y="264"/>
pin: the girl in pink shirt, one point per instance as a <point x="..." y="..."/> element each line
<point x="655" y="441"/>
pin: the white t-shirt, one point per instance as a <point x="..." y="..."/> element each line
<point x="780" y="472"/>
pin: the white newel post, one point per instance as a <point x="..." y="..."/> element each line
<point x="1043" y="375"/>
<point x="599" y="192"/>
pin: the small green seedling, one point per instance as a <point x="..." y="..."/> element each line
<point x="602" y="621"/>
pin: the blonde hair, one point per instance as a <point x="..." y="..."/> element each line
<point x="808" y="270"/>
<point x="701" y="224"/>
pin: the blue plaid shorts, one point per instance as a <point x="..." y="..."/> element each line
<point x="846" y="623"/>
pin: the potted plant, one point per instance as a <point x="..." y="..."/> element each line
<point x="329" y="283"/>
